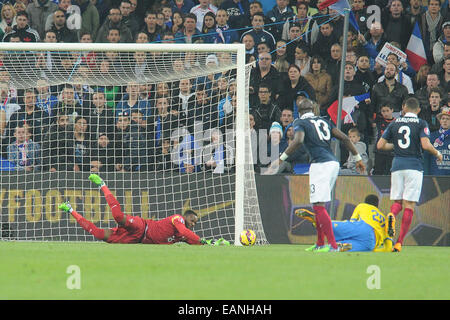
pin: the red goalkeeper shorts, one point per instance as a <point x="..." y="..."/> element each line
<point x="132" y="232"/>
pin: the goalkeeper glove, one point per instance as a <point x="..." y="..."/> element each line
<point x="66" y="206"/>
<point x="221" y="242"/>
<point x="204" y="241"/>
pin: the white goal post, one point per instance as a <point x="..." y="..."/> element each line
<point x="148" y="75"/>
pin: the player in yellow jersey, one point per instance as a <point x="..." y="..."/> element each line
<point x="367" y="230"/>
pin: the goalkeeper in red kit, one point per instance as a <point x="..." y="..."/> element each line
<point x="134" y="229"/>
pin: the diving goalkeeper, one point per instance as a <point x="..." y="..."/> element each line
<point x="367" y="230"/>
<point x="134" y="229"/>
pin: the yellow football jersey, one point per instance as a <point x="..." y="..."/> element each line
<point x="374" y="218"/>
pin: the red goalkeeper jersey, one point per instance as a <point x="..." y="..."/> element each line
<point x="169" y="230"/>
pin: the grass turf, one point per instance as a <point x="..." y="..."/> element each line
<point x="38" y="270"/>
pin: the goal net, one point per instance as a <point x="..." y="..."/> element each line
<point x="166" y="127"/>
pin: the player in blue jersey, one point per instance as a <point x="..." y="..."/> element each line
<point x="316" y="133"/>
<point x="408" y="136"/>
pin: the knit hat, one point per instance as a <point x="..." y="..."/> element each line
<point x="276" y="127"/>
<point x="212" y="58"/>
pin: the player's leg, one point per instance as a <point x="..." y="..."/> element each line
<point x="411" y="195"/>
<point x="100" y="234"/>
<point x="116" y="210"/>
<point x="397" y="189"/>
<point x="322" y="177"/>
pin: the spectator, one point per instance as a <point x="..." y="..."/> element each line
<point x="292" y="86"/>
<point x="37" y="120"/>
<point x="62" y="5"/>
<point x="45" y="101"/>
<point x="266" y="111"/>
<point x="334" y="62"/>
<point x="209" y="27"/>
<point x="102" y="154"/>
<point x="300" y="19"/>
<point x="200" y="11"/>
<point x="420" y="80"/>
<point x="374" y="42"/>
<point x="359" y="10"/>
<point x="280" y="59"/>
<point x="185" y="152"/>
<point x="350" y="165"/>
<point x="400" y="76"/>
<point x="238" y="12"/>
<point x="58" y="145"/>
<point x="101" y="118"/>
<point x="8" y="19"/>
<point x="81" y="144"/>
<point x="414" y="11"/>
<point x="443" y="40"/>
<point x="363" y="73"/>
<point x="22" y="30"/>
<point x="286" y="118"/>
<point x="266" y="73"/>
<point x="130" y="145"/>
<point x="7" y="108"/>
<point x="279" y="14"/>
<point x="294" y="40"/>
<point x="184" y="104"/>
<point x="325" y="39"/>
<point x="320" y="81"/>
<point x="276" y="144"/>
<point x="444" y="75"/>
<point x="217" y="156"/>
<point x="258" y="32"/>
<point x="302" y="58"/>
<point x="430" y="27"/>
<point x="114" y="20"/>
<point x="224" y="32"/>
<point x="130" y="20"/>
<point x="183" y="6"/>
<point x="132" y="102"/>
<point x="90" y="18"/>
<point x="163" y="122"/>
<point x="389" y="91"/>
<point x="37" y="12"/>
<point x="441" y="141"/>
<point x="423" y="93"/>
<point x="205" y="109"/>
<point x="249" y="43"/>
<point x="396" y="24"/>
<point x="189" y="33"/>
<point x="431" y="111"/>
<point x="383" y="159"/>
<point x="177" y="22"/>
<point x="24" y="152"/>
<point x="63" y="34"/>
<point x="151" y="28"/>
<point x="67" y="103"/>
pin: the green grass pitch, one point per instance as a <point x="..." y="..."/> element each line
<point x="38" y="270"/>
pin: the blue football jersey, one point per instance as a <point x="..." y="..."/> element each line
<point x="405" y="133"/>
<point x="317" y="136"/>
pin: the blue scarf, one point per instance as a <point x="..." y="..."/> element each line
<point x="439" y="142"/>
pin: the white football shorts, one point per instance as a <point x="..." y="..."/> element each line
<point x="406" y="185"/>
<point x="322" y="177"/>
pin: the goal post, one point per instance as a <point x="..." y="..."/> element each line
<point x="184" y="148"/>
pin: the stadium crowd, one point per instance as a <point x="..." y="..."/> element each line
<point x="296" y="50"/>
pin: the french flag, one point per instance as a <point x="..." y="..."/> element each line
<point x="340" y="6"/>
<point x="348" y="106"/>
<point x="415" y="49"/>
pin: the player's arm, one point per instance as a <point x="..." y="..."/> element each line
<point x="383" y="144"/>
<point x="299" y="137"/>
<point x="427" y="146"/>
<point x="338" y="134"/>
<point x="189" y="235"/>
